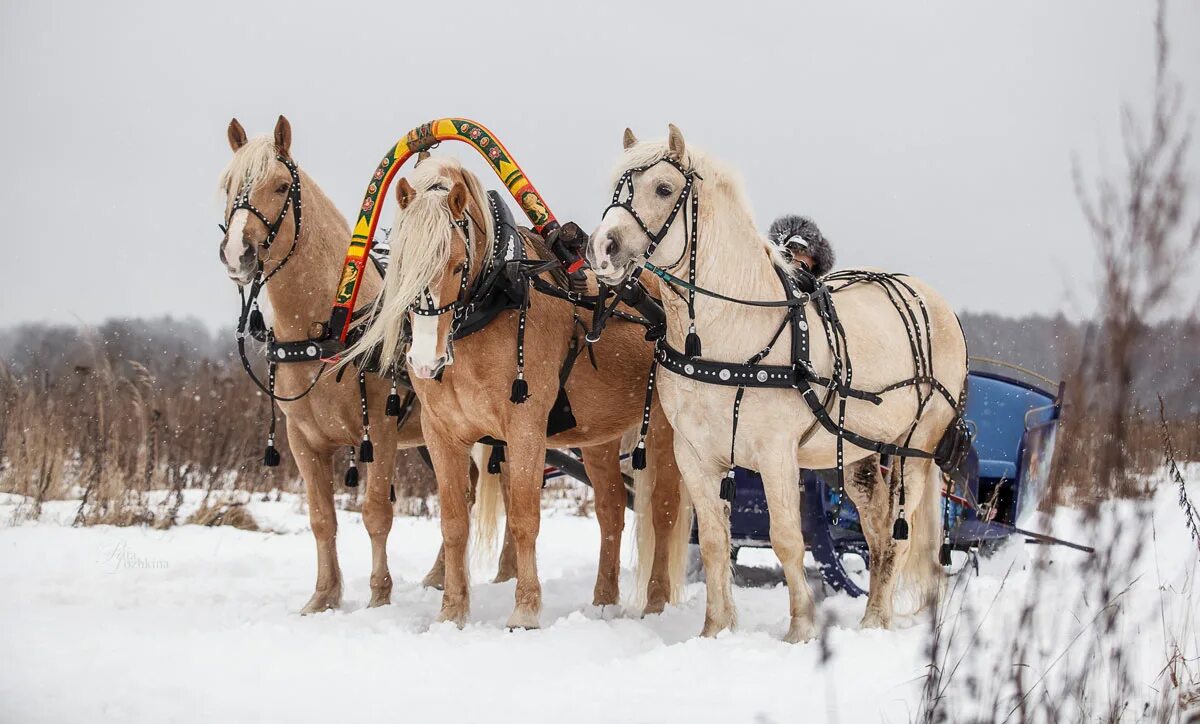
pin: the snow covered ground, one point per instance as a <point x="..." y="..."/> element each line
<point x="200" y="624"/>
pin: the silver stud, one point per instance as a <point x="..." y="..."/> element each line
<point x="688" y="369"/>
<point x="762" y="376"/>
<point x="724" y="374"/>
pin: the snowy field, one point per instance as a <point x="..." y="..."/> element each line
<point x="200" y="624"/>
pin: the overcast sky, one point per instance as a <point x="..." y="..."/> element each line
<point x="931" y="137"/>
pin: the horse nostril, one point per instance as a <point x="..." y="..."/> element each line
<point x="610" y="248"/>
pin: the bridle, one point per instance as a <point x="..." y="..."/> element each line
<point x="686" y="195"/>
<point x="250" y="318"/>
<point x="458" y="306"/>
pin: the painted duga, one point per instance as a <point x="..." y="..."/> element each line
<point x="441" y="244"/>
<point x="323" y="424"/>
<point x="777" y="434"/>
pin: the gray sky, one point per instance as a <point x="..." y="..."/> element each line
<point x="931" y="137"/>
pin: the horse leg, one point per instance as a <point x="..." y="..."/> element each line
<point x="867" y="488"/>
<point x="316" y="468"/>
<point x="526" y="459"/>
<point x="451" y="463"/>
<point x="703" y="480"/>
<point x="436" y="578"/>
<point x="507" y="569"/>
<point x="377" y="516"/>
<point x="670" y="553"/>
<point x="781" y="483"/>
<point x="603" y="465"/>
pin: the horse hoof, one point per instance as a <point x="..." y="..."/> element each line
<point x="601" y="600"/>
<point x="437" y="583"/>
<point x="874" y="620"/>
<point x="712" y="628"/>
<point x="322" y="601"/>
<point x="523" y="619"/>
<point x="458" y="618"/>
<point x="654" y="608"/>
<point x="800" y="631"/>
<point x="380" y="598"/>
<point x="503" y="576"/>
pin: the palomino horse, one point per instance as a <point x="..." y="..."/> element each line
<point x="329" y="418"/>
<point x="694" y="213"/>
<point x="442" y="245"/>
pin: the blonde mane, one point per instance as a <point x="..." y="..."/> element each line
<point x="249" y="164"/>
<point x="421" y="239"/>
<point x="712" y="175"/>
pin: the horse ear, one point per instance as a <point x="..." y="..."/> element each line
<point x="404" y="193"/>
<point x="675" y="142"/>
<point x="236" y="135"/>
<point x="630" y="140"/>
<point x="458" y="199"/>
<point x="283" y="137"/>
<point x="421" y="157"/>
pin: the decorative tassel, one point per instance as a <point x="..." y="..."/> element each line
<point x="352" y="475"/>
<point x="900" y="528"/>
<point x="392" y="492"/>
<point x="366" y="451"/>
<point x="495" y="457"/>
<point x="392" y="408"/>
<point x="728" y="487"/>
<point x="271" y="455"/>
<point x="257" y="324"/>
<point x="639" y="456"/>
<point x="944" y="556"/>
<point x="520" y="390"/>
<point x="691" y="346"/>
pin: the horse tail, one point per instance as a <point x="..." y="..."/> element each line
<point x="921" y="576"/>
<point x="661" y="457"/>
<point x="643" y="491"/>
<point x="488" y="504"/>
<point x="681" y="536"/>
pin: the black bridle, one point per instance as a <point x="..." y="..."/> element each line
<point x="250" y="318"/>
<point x="686" y="195"/>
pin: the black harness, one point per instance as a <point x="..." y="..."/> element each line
<point x="251" y="324"/>
<point x="800" y="292"/>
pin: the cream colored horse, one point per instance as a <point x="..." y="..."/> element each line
<point x="324" y="423"/>
<point x="777" y="434"/>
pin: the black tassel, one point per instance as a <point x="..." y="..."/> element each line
<point x="691" y="346"/>
<point x="271" y="455"/>
<point x="639" y="456"/>
<point x="257" y="324"/>
<point x="900" y="529"/>
<point x="366" y="451"/>
<point x="728" y="487"/>
<point x="944" y="556"/>
<point x="520" y="391"/>
<point x="392" y="409"/>
<point x="495" y="457"/>
<point x="352" y="476"/>
<point x="392" y="492"/>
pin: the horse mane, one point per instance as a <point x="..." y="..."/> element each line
<point x="712" y="174"/>
<point x="420" y="248"/>
<point x="249" y="164"/>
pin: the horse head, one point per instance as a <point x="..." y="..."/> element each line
<point x="262" y="199"/>
<point x="441" y="236"/>
<point x="654" y="184"/>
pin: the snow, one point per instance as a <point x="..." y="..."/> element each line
<point x="200" y="624"/>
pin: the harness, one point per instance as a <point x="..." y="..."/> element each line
<point x="252" y="324"/>
<point x="800" y="292"/>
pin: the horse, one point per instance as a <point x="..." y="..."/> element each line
<point x="686" y="211"/>
<point x="302" y="266"/>
<point x="443" y="244"/>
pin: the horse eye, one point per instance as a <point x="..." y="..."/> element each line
<point x="663" y="190"/>
<point x="459" y="267"/>
<point x="281" y="188"/>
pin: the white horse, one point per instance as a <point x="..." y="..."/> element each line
<point x="778" y="434"/>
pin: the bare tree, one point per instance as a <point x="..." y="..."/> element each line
<point x="1145" y="245"/>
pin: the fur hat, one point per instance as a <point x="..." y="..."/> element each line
<point x="784" y="229"/>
